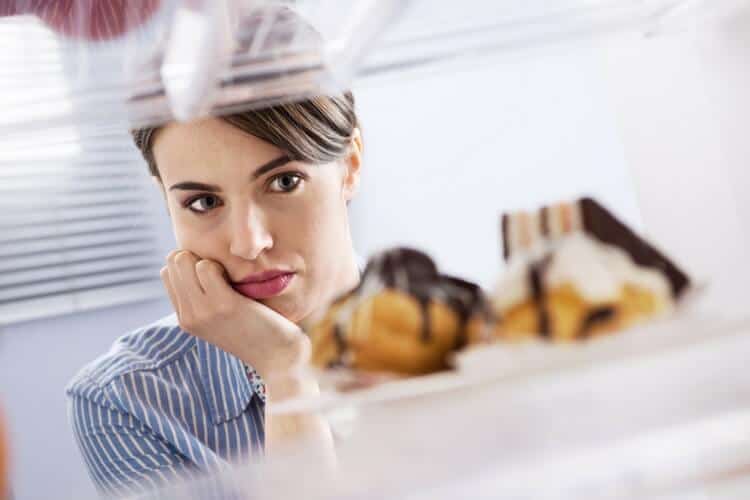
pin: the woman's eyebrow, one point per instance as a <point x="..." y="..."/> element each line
<point x="271" y="165"/>
<point x="195" y="186"/>
<point x="263" y="169"/>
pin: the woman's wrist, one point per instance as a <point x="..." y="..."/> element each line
<point x="288" y="352"/>
<point x="292" y="384"/>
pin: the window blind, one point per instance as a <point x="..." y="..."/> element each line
<point x="79" y="227"/>
<point x="78" y="230"/>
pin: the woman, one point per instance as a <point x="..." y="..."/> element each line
<point x="258" y="204"/>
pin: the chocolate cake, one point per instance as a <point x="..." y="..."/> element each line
<point x="575" y="270"/>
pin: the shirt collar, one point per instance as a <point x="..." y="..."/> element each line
<point x="226" y="386"/>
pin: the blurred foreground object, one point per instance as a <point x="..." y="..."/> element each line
<point x="4" y="460"/>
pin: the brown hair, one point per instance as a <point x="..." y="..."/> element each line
<point x="315" y="130"/>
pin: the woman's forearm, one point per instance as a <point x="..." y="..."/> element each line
<point x="297" y="429"/>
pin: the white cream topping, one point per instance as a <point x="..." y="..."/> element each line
<point x="597" y="271"/>
<point x="514" y="286"/>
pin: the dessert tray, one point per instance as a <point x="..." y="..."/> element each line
<point x="506" y="363"/>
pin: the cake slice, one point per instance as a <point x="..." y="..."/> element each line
<point x="574" y="270"/>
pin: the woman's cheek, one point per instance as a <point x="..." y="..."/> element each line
<point x="197" y="238"/>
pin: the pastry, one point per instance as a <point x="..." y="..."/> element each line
<point x="404" y="317"/>
<point x="574" y="270"/>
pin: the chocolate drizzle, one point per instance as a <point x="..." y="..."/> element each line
<point x="426" y="322"/>
<point x="341" y="346"/>
<point x="409" y="271"/>
<point x="465" y="299"/>
<point x="595" y="317"/>
<point x="544" y="221"/>
<point x="414" y="273"/>
<point x="402" y="268"/>
<point x="536" y="281"/>
<point x="505" y="234"/>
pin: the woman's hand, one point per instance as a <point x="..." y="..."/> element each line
<point x="210" y="309"/>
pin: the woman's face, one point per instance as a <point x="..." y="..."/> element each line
<point x="281" y="226"/>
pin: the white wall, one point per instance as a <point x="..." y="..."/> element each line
<point x="656" y="127"/>
<point x="682" y="104"/>
<point x="446" y="153"/>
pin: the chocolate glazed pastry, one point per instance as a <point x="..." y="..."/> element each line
<point x="409" y="271"/>
<point x="414" y="273"/>
<point x="372" y="326"/>
<point x="467" y="300"/>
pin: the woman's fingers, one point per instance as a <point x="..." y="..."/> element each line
<point x="185" y="262"/>
<point x="217" y="289"/>
<point x="181" y="266"/>
<point x="167" y="281"/>
<point x="186" y="287"/>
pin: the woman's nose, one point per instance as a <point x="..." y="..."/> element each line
<point x="249" y="235"/>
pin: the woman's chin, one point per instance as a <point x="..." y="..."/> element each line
<point x="286" y="306"/>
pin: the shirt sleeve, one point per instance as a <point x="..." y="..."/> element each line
<point x="122" y="455"/>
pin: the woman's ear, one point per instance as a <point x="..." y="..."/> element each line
<point x="353" y="165"/>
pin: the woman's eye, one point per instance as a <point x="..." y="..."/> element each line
<point x="285" y="183"/>
<point x="203" y="204"/>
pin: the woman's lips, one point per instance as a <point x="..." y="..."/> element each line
<point x="265" y="287"/>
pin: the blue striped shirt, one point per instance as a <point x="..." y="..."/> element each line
<point x="161" y="405"/>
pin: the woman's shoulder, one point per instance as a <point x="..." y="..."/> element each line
<point x="148" y="348"/>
